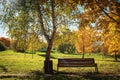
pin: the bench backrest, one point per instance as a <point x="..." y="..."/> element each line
<point x="75" y="60"/>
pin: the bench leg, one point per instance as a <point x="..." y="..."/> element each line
<point x="96" y="69"/>
<point x="57" y="69"/>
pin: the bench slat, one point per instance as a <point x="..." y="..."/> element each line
<point x="67" y="60"/>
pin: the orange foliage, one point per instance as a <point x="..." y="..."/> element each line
<point x="84" y="40"/>
<point x="6" y="41"/>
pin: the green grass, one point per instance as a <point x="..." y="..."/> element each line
<point x="21" y="63"/>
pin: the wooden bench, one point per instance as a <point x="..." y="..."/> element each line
<point x="76" y="62"/>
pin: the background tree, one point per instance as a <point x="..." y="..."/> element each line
<point x="109" y="37"/>
<point x="114" y="43"/>
<point x="65" y="41"/>
<point x="84" y="40"/>
<point x="6" y="41"/>
<point x="34" y="42"/>
<point x="18" y="30"/>
<point x="107" y="10"/>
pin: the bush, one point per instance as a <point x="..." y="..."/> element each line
<point x="2" y="46"/>
<point x="67" y="48"/>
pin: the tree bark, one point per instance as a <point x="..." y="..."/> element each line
<point x="48" y="67"/>
<point x="48" y="51"/>
<point x="115" y="56"/>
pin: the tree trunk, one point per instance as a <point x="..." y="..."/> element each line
<point x="83" y="55"/>
<point x="83" y="51"/>
<point x="48" y="67"/>
<point x="48" y="64"/>
<point x="115" y="57"/>
<point x="48" y="51"/>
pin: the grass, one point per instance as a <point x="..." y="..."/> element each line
<point x="24" y="63"/>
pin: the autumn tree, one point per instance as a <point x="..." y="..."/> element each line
<point x="114" y="43"/>
<point x="110" y="35"/>
<point x="84" y="40"/>
<point x="6" y="41"/>
<point x="102" y="13"/>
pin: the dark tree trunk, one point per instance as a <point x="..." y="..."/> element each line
<point x="115" y="57"/>
<point x="83" y="54"/>
<point x="48" y="51"/>
<point x="48" y="64"/>
<point x="48" y="67"/>
<point x="83" y="49"/>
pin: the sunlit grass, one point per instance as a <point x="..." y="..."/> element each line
<point x="12" y="62"/>
<point x="18" y="63"/>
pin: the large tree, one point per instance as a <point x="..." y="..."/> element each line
<point x="51" y="15"/>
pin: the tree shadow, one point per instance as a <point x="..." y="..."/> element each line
<point x="39" y="75"/>
<point x="43" y="55"/>
<point x="4" y="68"/>
<point x="36" y="75"/>
<point x="89" y="76"/>
<point x="109" y="60"/>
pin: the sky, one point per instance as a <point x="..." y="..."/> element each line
<point x="2" y="32"/>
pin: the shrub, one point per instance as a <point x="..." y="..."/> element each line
<point x="2" y="46"/>
<point x="61" y="48"/>
<point x="67" y="48"/>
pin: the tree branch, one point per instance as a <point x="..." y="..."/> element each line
<point x="106" y="12"/>
<point x="42" y="25"/>
<point x="53" y="19"/>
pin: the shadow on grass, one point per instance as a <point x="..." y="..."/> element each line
<point x="3" y="68"/>
<point x="43" y="55"/>
<point x="111" y="61"/>
<point x="87" y="76"/>
<point x="108" y="60"/>
<point x="38" y="75"/>
<point x="72" y="54"/>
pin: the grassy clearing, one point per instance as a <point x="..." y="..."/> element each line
<point x="21" y="63"/>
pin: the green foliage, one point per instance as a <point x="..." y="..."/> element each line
<point x="2" y="46"/>
<point x="67" y="48"/>
<point x="34" y="42"/>
<point x="17" y="46"/>
<point x="65" y="38"/>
